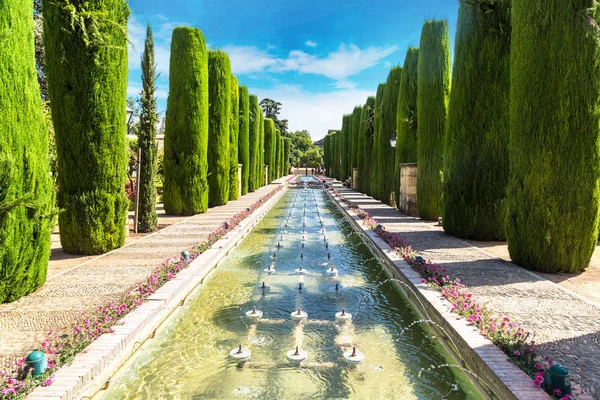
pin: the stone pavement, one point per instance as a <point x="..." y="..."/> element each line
<point x="76" y="287"/>
<point x="566" y="325"/>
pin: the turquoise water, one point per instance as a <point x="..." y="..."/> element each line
<point x="189" y="359"/>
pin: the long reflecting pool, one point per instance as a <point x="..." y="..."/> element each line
<point x="190" y="358"/>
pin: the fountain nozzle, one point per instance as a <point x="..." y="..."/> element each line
<point x="297" y="353"/>
<point x="253" y="310"/>
<point x="337" y="287"/>
<point x="263" y="286"/>
<point x="274" y="254"/>
<point x="299" y="312"/>
<point x="239" y="350"/>
<point x="300" y="286"/>
<point x="329" y="256"/>
<point x="343" y="311"/>
<point x="353" y="352"/>
<point x="302" y="256"/>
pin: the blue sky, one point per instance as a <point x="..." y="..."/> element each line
<point x="318" y="58"/>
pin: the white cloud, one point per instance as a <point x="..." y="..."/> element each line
<point x="315" y="112"/>
<point x="312" y="44"/>
<point x="249" y="59"/>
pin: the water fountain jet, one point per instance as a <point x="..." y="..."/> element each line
<point x="297" y="355"/>
<point x="343" y="316"/>
<point x="240" y="354"/>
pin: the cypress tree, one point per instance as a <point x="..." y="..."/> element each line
<point x="553" y="189"/>
<point x="185" y="188"/>
<point x="26" y="189"/>
<point x="354" y="129"/>
<point x="147" y="217"/>
<point x="277" y="172"/>
<point x="377" y="120"/>
<point x="345" y="150"/>
<point x="333" y="141"/>
<point x="270" y="137"/>
<point x="476" y="156"/>
<point x="433" y="89"/>
<point x="326" y="152"/>
<point x="385" y="151"/>
<point x="281" y="150"/>
<point x="87" y="82"/>
<point x="219" y="111"/>
<point x="406" y="122"/>
<point x="254" y="181"/>
<point x="244" y="137"/>
<point x="286" y="156"/>
<point x="234" y="129"/>
<point x="261" y="149"/>
<point x="365" y="137"/>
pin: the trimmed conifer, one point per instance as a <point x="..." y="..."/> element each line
<point x="255" y="112"/>
<point x="277" y="172"/>
<point x="377" y="123"/>
<point x="334" y="164"/>
<point x="476" y="155"/>
<point x="433" y="89"/>
<point x="219" y="111"/>
<point x="263" y="179"/>
<point x="365" y="137"/>
<point x="354" y="135"/>
<point x="234" y="129"/>
<point x="281" y="157"/>
<point x="553" y="190"/>
<point x="345" y="149"/>
<point x="185" y="187"/>
<point x="286" y="156"/>
<point x="386" y="153"/>
<point x="326" y="149"/>
<point x="26" y="189"/>
<point x="87" y="82"/>
<point x="147" y="216"/>
<point x="270" y="137"/>
<point x="406" y="121"/>
<point x="244" y="137"/>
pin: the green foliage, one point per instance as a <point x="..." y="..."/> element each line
<point x="86" y="65"/>
<point x="281" y="155"/>
<point x="254" y="181"/>
<point x="553" y="191"/>
<point x="278" y="158"/>
<point x="375" y="188"/>
<point x="147" y="217"/>
<point x="476" y="155"/>
<point x="433" y="91"/>
<point x="272" y="110"/>
<point x="244" y="137"/>
<point x="334" y="154"/>
<point x="354" y="134"/>
<point x="185" y="187"/>
<point x="26" y="189"/>
<point x="219" y="112"/>
<point x="286" y="155"/>
<point x="344" y="149"/>
<point x="261" y="150"/>
<point x="234" y="129"/>
<point x="385" y="152"/>
<point x="270" y="137"/>
<point x="365" y="147"/>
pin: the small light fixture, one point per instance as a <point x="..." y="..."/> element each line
<point x="393" y="141"/>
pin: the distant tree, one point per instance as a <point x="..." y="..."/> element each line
<point x="271" y="109"/>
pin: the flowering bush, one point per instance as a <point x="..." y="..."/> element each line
<point x="62" y="347"/>
<point x="515" y="341"/>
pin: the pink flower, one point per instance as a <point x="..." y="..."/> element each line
<point x="48" y="381"/>
<point x="556" y="392"/>
<point x="517" y="353"/>
<point x="538" y="366"/>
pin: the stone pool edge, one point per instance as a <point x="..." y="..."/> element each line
<point x="91" y="370"/>
<point x="480" y="355"/>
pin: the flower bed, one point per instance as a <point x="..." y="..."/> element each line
<point x="516" y="342"/>
<point x="62" y="347"/>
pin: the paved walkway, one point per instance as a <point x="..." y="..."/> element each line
<point x="567" y="326"/>
<point x="78" y="284"/>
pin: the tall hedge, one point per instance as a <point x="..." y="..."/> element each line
<point x="26" y="189"/>
<point x="326" y="149"/>
<point x="385" y="152"/>
<point x="354" y="130"/>
<point x="365" y="139"/>
<point x="476" y="155"/>
<point x="375" y="188"/>
<point x="286" y="156"/>
<point x="334" y="160"/>
<point x="345" y="169"/>
<point x="553" y="190"/>
<point x="234" y="129"/>
<point x="87" y="82"/>
<point x="219" y="112"/>
<point x="277" y="172"/>
<point x="281" y="150"/>
<point x="270" y="137"/>
<point x="147" y="216"/>
<point x="254" y="140"/>
<point x="406" y="117"/>
<point x="433" y="90"/>
<point x="261" y="149"/>
<point x="244" y="137"/>
<point x="185" y="188"/>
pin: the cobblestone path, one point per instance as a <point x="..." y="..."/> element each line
<point x="566" y="325"/>
<point x="25" y="323"/>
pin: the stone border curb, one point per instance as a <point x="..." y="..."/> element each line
<point x="480" y="355"/>
<point x="91" y="370"/>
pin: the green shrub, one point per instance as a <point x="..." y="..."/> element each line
<point x="385" y="152"/>
<point x="354" y="134"/>
<point x="278" y="156"/>
<point x="365" y="147"/>
<point x="261" y="149"/>
<point x="433" y="90"/>
<point x="345" y="169"/>
<point x="334" y="154"/>
<point x="234" y="129"/>
<point x="476" y="155"/>
<point x="326" y="149"/>
<point x="286" y="156"/>
<point x="147" y="216"/>
<point x="254" y="181"/>
<point x="375" y="189"/>
<point x="280" y="153"/>
<point x="26" y="188"/>
<point x="270" y="137"/>
<point x="219" y="111"/>
<point x="185" y="188"/>
<point x="553" y="190"/>
<point x="87" y="82"/>
<point x="406" y="116"/>
<point x="244" y="137"/>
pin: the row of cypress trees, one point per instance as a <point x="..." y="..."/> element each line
<point x="512" y="151"/>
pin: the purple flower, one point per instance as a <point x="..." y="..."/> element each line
<point x="517" y="353"/>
